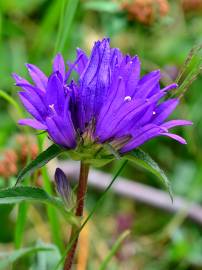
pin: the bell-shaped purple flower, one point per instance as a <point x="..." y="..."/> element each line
<point x="110" y="103"/>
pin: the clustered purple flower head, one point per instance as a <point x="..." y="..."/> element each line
<point x="110" y="103"/>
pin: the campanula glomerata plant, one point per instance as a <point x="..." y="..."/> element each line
<point x="104" y="114"/>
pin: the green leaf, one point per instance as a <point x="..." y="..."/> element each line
<point x="143" y="160"/>
<point x="7" y="258"/>
<point x="42" y="159"/>
<point x="21" y="194"/>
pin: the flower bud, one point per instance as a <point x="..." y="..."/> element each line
<point x="63" y="186"/>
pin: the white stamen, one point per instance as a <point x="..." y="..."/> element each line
<point x="154" y="113"/>
<point x="127" y="98"/>
<point x="51" y="106"/>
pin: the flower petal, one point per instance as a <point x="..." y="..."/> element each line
<point x="170" y="87"/>
<point x="38" y="77"/>
<point x="175" y="137"/>
<point x="174" y="123"/>
<point x="59" y="65"/>
<point x="32" y="123"/>
<point x="164" y="110"/>
<point x="131" y="75"/>
<point x="83" y="60"/>
<point x="35" y="97"/>
<point x="60" y="132"/>
<point x="146" y="133"/>
<point x="32" y="109"/>
<point x="19" y="79"/>
<point x="55" y="95"/>
<point x="94" y="80"/>
<point x="147" y="84"/>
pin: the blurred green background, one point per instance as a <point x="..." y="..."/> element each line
<point x="162" y="33"/>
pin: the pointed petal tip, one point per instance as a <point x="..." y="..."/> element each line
<point x="175" y="123"/>
<point x="53" y="76"/>
<point x="102" y="41"/>
<point x="58" y="170"/>
<point x="188" y="123"/>
<point x="58" y="59"/>
<point x="105" y="39"/>
<point x="59" y="173"/>
<point x="58" y="54"/>
<point x="175" y="137"/>
<point x="32" y="123"/>
<point x="28" y="66"/>
<point x="16" y="77"/>
<point x="170" y="87"/>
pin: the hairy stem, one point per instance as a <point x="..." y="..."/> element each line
<point x="81" y="192"/>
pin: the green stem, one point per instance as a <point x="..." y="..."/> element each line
<point x="96" y="207"/>
<point x="81" y="192"/>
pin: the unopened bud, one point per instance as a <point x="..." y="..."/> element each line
<point x="63" y="187"/>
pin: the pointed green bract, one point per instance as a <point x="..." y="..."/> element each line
<point x="143" y="160"/>
<point x="41" y="160"/>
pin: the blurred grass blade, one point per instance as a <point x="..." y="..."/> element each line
<point x="143" y="160"/>
<point x="69" y="14"/>
<point x="10" y="100"/>
<point x="42" y="159"/>
<point x="22" y="209"/>
<point x="114" y="249"/>
<point x="20" y="225"/>
<point x="46" y="259"/>
<point x="102" y="6"/>
<point x="51" y="212"/>
<point x="7" y="258"/>
<point x="60" y="28"/>
<point x="45" y="30"/>
<point x="96" y="207"/>
<point x="27" y="193"/>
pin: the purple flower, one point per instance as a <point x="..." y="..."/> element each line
<point x="110" y="103"/>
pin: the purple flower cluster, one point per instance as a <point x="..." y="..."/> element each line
<point x="109" y="103"/>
